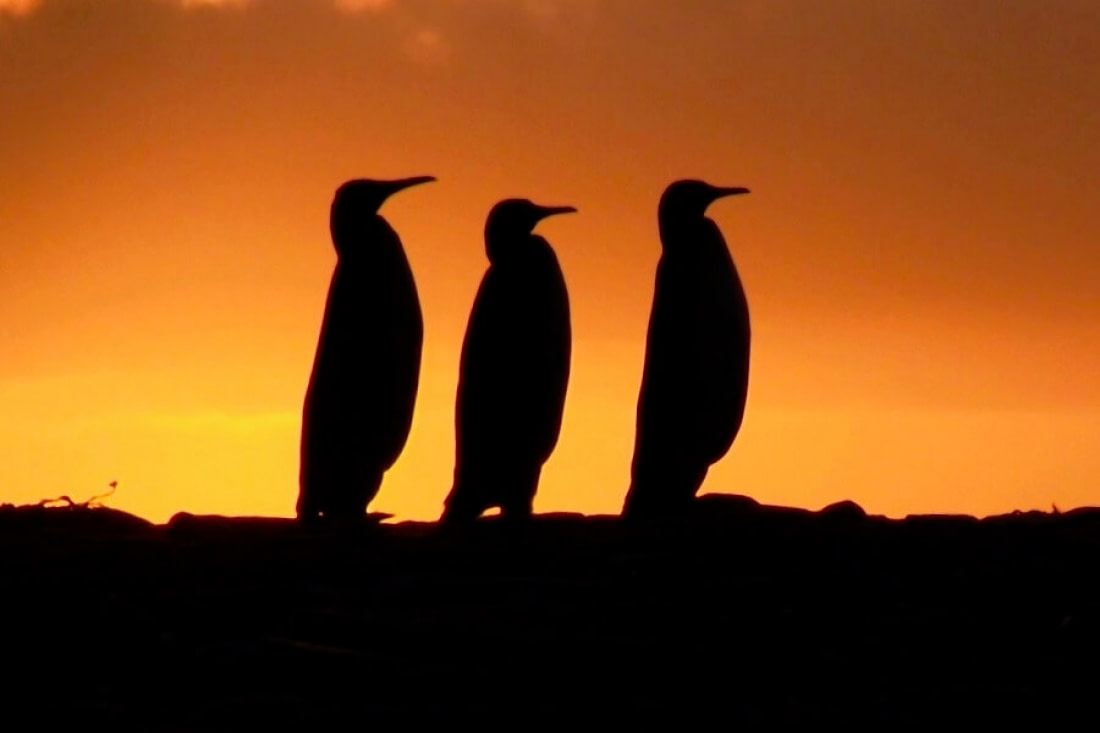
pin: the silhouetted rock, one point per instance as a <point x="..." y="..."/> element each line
<point x="1084" y="516"/>
<point x="1030" y="518"/>
<point x="70" y="521"/>
<point x="844" y="511"/>
<point x="754" y="613"/>
<point x="213" y="524"/>
<point x="727" y="504"/>
<point x="186" y="521"/>
<point x="942" y="519"/>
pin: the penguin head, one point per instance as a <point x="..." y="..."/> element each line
<point x="355" y="206"/>
<point x="688" y="199"/>
<point x="511" y="221"/>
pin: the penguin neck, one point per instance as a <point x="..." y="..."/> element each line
<point x="368" y="243"/>
<point x="516" y="252"/>
<point x="679" y="238"/>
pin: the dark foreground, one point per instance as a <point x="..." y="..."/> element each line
<point x="747" y="613"/>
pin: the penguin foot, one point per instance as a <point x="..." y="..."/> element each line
<point x="455" y="518"/>
<point x="310" y="519"/>
<point x="652" y="515"/>
<point x="521" y="514"/>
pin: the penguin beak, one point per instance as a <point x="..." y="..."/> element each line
<point x="380" y="191"/>
<point x="544" y="211"/>
<point x="721" y="192"/>
<point x="402" y="184"/>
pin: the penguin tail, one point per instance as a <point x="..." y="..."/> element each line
<point x="650" y="504"/>
<point x="306" y="507"/>
<point x="461" y="507"/>
<point x="639" y="502"/>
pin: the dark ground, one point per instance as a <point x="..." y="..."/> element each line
<point x="747" y="613"/>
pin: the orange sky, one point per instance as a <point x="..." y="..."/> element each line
<point x="919" y="248"/>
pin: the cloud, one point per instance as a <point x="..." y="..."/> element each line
<point x="214" y="3"/>
<point x="359" y="6"/>
<point x="544" y="9"/>
<point x="424" y="45"/>
<point x="26" y="7"/>
<point x="19" y="7"/>
<point x="428" y="47"/>
<point x="549" y="10"/>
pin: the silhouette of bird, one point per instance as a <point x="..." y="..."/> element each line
<point x="695" y="379"/>
<point x="359" y="403"/>
<point x="514" y="369"/>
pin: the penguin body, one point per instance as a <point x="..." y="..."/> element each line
<point x="514" y="369"/>
<point x="695" y="380"/>
<point x="362" y="390"/>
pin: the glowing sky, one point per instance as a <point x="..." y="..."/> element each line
<point x="920" y="248"/>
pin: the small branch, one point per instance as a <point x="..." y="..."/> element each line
<point x="88" y="504"/>
<point x="95" y="499"/>
<point x="69" y="501"/>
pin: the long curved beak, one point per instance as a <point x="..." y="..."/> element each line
<point x="723" y="191"/>
<point x="545" y="211"/>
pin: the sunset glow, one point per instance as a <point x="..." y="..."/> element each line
<point x="919" y="248"/>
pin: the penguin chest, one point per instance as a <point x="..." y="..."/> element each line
<point x="517" y="355"/>
<point x="698" y="348"/>
<point x="526" y="318"/>
<point x="370" y="339"/>
<point x="710" y="314"/>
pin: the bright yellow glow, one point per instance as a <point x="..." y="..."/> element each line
<point x="19" y="7"/>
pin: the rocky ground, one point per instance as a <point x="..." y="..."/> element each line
<point x="743" y="613"/>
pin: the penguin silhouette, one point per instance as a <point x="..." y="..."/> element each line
<point x="695" y="379"/>
<point x="514" y="369"/>
<point x="359" y="403"/>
